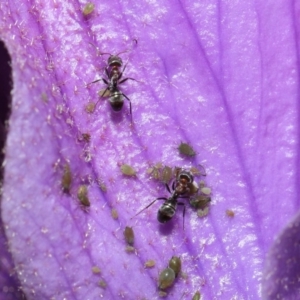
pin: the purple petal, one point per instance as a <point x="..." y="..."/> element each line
<point x="220" y="76"/>
<point x="282" y="272"/>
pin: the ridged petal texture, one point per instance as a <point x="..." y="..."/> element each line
<point x="222" y="76"/>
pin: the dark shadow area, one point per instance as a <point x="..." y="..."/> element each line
<point x="5" y="98"/>
<point x="167" y="228"/>
<point x="9" y="283"/>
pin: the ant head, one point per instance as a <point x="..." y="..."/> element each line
<point x="185" y="177"/>
<point x="115" y="60"/>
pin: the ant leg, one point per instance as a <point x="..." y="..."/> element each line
<point x="183" y="213"/>
<point x="97" y="80"/>
<point x="121" y="73"/>
<point x="173" y="185"/>
<point x="94" y="81"/>
<point x="176" y="171"/>
<point x="165" y="199"/>
<point x="102" y="93"/>
<point x="106" y="71"/>
<point x="129" y="105"/>
<point x="125" y="79"/>
<point x="168" y="188"/>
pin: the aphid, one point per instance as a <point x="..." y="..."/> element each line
<point x="102" y="186"/>
<point x="230" y="213"/>
<point x="197" y="296"/>
<point x="66" y="179"/>
<point x="96" y="270"/>
<point x="104" y="93"/>
<point x="161" y="173"/>
<point x="102" y="284"/>
<point x="82" y="196"/>
<point x="205" y="190"/>
<point x="200" y="201"/>
<point x="44" y="97"/>
<point x="166" y="278"/>
<point x="129" y="235"/>
<point x="129" y="249"/>
<point x="114" y="79"/>
<point x="128" y="170"/>
<point x="184" y="275"/>
<point x="149" y="263"/>
<point x="88" y="9"/>
<point x="90" y="107"/>
<point x="186" y="149"/>
<point x="203" y="212"/>
<point x="114" y="214"/>
<point x="175" y="265"/>
<point x="86" y="137"/>
<point x="197" y="172"/>
<point x="162" y="294"/>
<point x="155" y="171"/>
<point x="166" y="174"/>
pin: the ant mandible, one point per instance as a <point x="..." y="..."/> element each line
<point x="114" y="78"/>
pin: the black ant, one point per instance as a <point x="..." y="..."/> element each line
<point x="114" y="78"/>
<point x="181" y="188"/>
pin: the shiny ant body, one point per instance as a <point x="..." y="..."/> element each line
<point x="181" y="188"/>
<point x="114" y="78"/>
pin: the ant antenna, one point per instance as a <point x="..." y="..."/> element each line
<point x="98" y="52"/>
<point x="130" y="49"/>
<point x="148" y="206"/>
<point x="143" y="209"/>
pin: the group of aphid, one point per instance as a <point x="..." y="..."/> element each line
<point x="168" y="275"/>
<point x="183" y="187"/>
<point x="82" y="192"/>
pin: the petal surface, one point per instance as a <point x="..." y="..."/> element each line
<point x="220" y="75"/>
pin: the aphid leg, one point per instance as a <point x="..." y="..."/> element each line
<point x="183" y="213"/>
<point x="129" y="106"/>
<point x="165" y="199"/>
